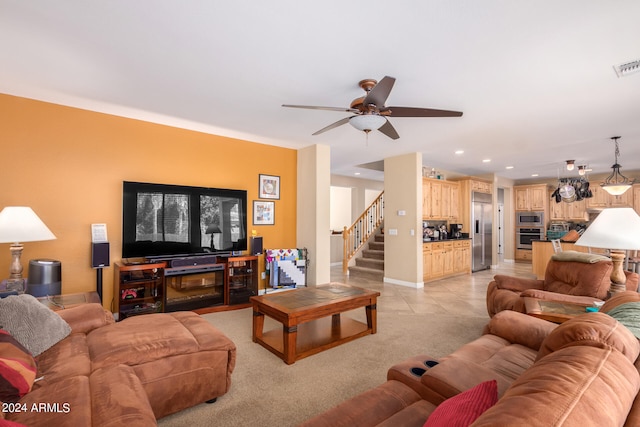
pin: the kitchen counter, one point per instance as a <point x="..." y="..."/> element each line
<point x="445" y="240"/>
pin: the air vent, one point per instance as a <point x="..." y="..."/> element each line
<point x="627" y="68"/>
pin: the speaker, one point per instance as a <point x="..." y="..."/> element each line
<point x="256" y="245"/>
<point x="45" y="277"/>
<point x="100" y="255"/>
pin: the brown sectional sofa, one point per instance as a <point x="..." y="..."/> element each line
<point x="578" y="281"/>
<point x="585" y="371"/>
<point x="127" y="373"/>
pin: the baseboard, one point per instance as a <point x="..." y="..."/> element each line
<point x="509" y="261"/>
<point x="418" y="285"/>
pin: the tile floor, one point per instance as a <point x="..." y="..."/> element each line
<point x="454" y="295"/>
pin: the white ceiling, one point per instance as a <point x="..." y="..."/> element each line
<point x="534" y="78"/>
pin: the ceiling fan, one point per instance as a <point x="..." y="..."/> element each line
<point x="370" y="113"/>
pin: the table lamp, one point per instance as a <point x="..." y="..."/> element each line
<point x="20" y="224"/>
<point x="213" y="229"/>
<point x="616" y="229"/>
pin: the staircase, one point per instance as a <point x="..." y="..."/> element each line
<point x="370" y="264"/>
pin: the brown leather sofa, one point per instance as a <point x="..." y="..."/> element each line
<point x="583" y="372"/>
<point x="579" y="282"/>
<point x="127" y="373"/>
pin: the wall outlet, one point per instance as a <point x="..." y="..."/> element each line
<point x="393" y="231"/>
<point x="402" y="213"/>
<point x="263" y="275"/>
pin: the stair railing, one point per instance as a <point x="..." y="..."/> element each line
<point x="355" y="236"/>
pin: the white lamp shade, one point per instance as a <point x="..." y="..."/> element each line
<point x="21" y="224"/>
<point x="367" y="122"/>
<point x="616" y="189"/>
<point x="614" y="228"/>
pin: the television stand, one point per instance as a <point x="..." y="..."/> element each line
<point x="226" y="282"/>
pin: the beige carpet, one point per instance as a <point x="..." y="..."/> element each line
<point x="267" y="392"/>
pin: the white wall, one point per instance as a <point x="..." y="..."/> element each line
<point x="340" y="201"/>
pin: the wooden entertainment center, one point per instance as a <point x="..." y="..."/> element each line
<point x="210" y="283"/>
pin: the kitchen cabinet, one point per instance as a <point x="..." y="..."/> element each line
<point x="636" y="197"/>
<point x="446" y="258"/>
<point x="531" y="197"/>
<point x="601" y="199"/>
<point x="563" y="211"/>
<point x="466" y="187"/>
<point x="440" y="199"/>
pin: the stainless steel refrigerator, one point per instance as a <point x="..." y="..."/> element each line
<point x="481" y="229"/>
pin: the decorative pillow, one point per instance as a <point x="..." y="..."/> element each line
<point x="463" y="409"/>
<point x="31" y="323"/>
<point x="17" y="369"/>
<point x="576" y="256"/>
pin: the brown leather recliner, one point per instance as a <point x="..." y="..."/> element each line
<point x="579" y="282"/>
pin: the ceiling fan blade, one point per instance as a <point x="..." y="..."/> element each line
<point x="389" y="130"/>
<point x="333" y="125"/>
<point x="418" y="112"/>
<point x="380" y="92"/>
<point x="314" y="107"/>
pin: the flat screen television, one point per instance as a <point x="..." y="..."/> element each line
<point x="164" y="221"/>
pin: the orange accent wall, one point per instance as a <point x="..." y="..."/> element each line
<point x="68" y="165"/>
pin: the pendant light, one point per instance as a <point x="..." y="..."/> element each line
<point x="616" y="183"/>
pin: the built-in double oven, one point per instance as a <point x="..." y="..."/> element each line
<point x="526" y="235"/>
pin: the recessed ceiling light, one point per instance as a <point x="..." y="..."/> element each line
<point x="356" y="173"/>
<point x="486" y="160"/>
<point x="460" y="152"/>
<point x="508" y="167"/>
<point x="534" y="174"/>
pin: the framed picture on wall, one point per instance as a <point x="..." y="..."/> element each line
<point x="269" y="187"/>
<point x="263" y="212"/>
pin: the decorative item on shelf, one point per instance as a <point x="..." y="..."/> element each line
<point x="618" y="230"/>
<point x="213" y="229"/>
<point x="20" y="224"/>
<point x="616" y="183"/>
<point x="571" y="189"/>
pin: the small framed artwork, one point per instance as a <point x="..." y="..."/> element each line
<point x="263" y="212"/>
<point x="269" y="187"/>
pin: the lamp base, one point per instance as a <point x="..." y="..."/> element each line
<point x="15" y="271"/>
<point x="618" y="278"/>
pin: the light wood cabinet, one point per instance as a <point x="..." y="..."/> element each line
<point x="601" y="199"/>
<point x="466" y="187"/>
<point x="531" y="197"/>
<point x="437" y="260"/>
<point x="636" y="198"/>
<point x="563" y="211"/>
<point x="440" y="199"/>
<point x="446" y="258"/>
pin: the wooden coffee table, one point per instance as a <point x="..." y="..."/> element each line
<point x="556" y="312"/>
<point x="311" y="320"/>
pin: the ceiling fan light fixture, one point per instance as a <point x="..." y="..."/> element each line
<point x="570" y="165"/>
<point x="367" y="122"/>
<point x="616" y="183"/>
